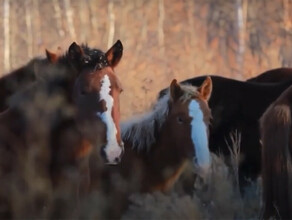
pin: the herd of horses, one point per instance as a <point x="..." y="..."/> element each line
<point x="61" y="115"/>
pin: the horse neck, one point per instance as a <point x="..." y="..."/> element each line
<point x="160" y="166"/>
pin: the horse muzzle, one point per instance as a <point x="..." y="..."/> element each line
<point x="112" y="154"/>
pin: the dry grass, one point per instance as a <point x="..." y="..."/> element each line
<point x="216" y="198"/>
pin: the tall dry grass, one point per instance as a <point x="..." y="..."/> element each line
<point x="215" y="198"/>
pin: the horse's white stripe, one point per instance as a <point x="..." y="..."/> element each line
<point x="199" y="135"/>
<point x="112" y="149"/>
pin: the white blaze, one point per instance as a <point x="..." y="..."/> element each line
<point x="112" y="148"/>
<point x="199" y="136"/>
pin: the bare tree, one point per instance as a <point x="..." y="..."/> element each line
<point x="6" y="32"/>
<point x="111" y="23"/>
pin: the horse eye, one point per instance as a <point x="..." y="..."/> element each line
<point x="180" y="120"/>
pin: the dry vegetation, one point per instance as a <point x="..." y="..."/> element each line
<point x="163" y="39"/>
<point x="215" y="198"/>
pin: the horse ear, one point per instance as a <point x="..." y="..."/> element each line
<point x="206" y="88"/>
<point x="52" y="57"/>
<point x="75" y="52"/>
<point x="114" y="54"/>
<point x="175" y="90"/>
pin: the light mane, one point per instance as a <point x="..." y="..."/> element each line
<point x="141" y="129"/>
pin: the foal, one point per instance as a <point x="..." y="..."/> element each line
<point x="276" y="136"/>
<point x="238" y="105"/>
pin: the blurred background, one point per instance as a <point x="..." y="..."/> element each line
<point x="163" y="39"/>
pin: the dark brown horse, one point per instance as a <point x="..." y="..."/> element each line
<point x="54" y="126"/>
<point x="238" y="105"/>
<point x="276" y="136"/>
<point x="159" y="144"/>
<point x="273" y="76"/>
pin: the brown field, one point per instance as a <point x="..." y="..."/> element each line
<point x="163" y="39"/>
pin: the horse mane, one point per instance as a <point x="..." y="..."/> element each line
<point x="142" y="130"/>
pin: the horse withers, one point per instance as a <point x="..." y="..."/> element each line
<point x="276" y="136"/>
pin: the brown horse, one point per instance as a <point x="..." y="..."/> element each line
<point x="159" y="143"/>
<point x="276" y="136"/>
<point x="55" y="124"/>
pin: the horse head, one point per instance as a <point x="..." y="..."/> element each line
<point x="188" y="119"/>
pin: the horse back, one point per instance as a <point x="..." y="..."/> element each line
<point x="273" y="76"/>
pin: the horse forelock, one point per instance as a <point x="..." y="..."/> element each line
<point x="189" y="92"/>
<point x="142" y="130"/>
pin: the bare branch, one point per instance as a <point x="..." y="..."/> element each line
<point x="37" y="22"/>
<point x="7" y="64"/>
<point x="58" y="17"/>
<point x="241" y="9"/>
<point x="190" y="12"/>
<point x="111" y="17"/>
<point x="69" y="15"/>
<point x="92" y="17"/>
<point x="286" y="15"/>
<point x="234" y="150"/>
<point x="160" y="27"/>
<point x="29" y="29"/>
<point x="84" y="20"/>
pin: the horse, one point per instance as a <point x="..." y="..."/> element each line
<point x="159" y="144"/>
<point x="238" y="105"/>
<point x="273" y="76"/>
<point x="275" y="128"/>
<point x="62" y="120"/>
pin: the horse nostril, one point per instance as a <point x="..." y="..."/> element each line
<point x="117" y="160"/>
